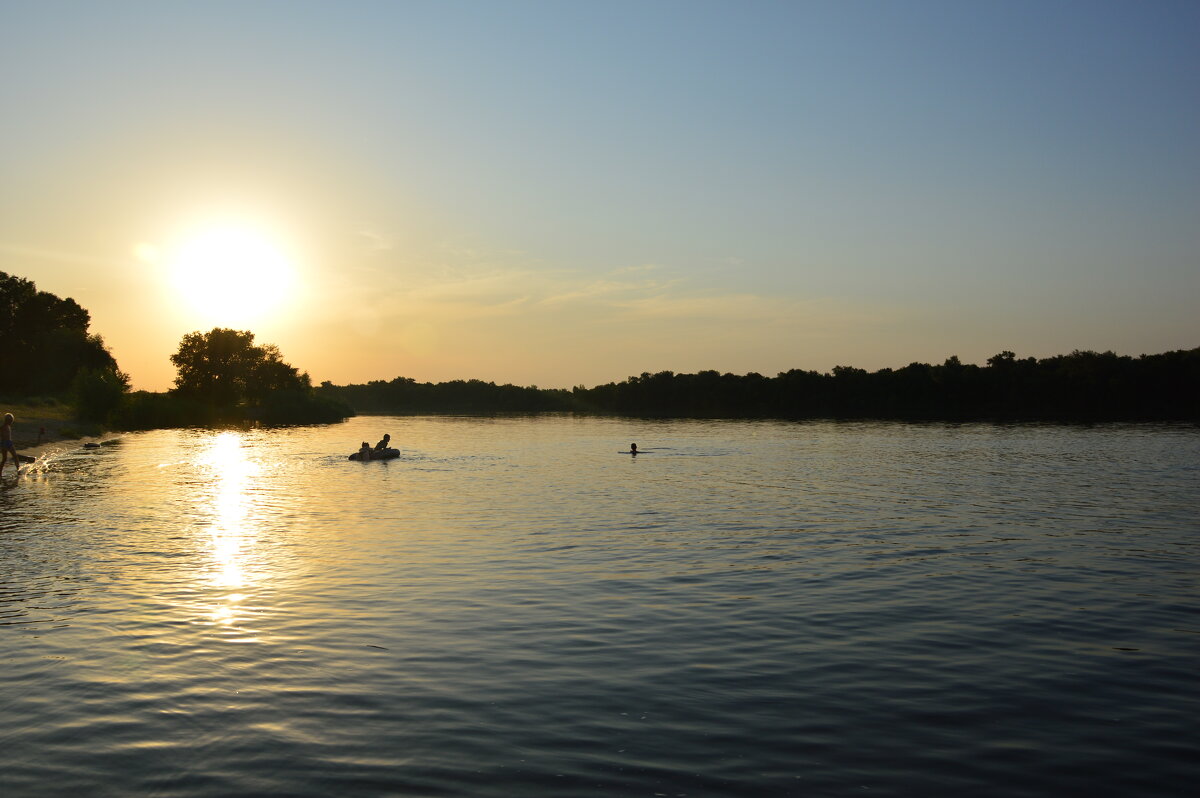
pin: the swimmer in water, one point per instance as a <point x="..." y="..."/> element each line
<point x="633" y="448"/>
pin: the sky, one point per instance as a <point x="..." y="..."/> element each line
<point x="559" y="193"/>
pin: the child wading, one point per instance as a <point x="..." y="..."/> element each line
<point x="6" y="444"/>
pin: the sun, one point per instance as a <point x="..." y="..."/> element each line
<point x="231" y="274"/>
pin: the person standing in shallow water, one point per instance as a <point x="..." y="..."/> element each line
<point x="6" y="444"/>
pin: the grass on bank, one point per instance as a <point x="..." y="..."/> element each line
<point x="37" y="407"/>
<point x="56" y="417"/>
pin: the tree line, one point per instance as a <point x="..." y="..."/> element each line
<point x="223" y="376"/>
<point x="1083" y="385"/>
<point x="406" y="395"/>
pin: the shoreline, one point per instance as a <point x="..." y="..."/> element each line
<point x="58" y="430"/>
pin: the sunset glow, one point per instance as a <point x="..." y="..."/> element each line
<point x="392" y="192"/>
<point x="230" y="275"/>
<point x="550" y="398"/>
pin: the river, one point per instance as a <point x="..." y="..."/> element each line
<point x="518" y="607"/>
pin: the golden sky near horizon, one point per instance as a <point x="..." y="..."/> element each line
<point x="549" y="195"/>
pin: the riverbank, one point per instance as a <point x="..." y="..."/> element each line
<point x="36" y="426"/>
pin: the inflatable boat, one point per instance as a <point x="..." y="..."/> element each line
<point x="377" y="454"/>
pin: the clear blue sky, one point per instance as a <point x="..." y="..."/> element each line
<point x="572" y="192"/>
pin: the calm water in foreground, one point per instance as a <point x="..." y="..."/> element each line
<point x="515" y="608"/>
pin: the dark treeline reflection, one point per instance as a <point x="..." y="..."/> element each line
<point x="1081" y="385"/>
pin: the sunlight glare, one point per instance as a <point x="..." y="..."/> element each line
<point x="231" y="274"/>
<point x="146" y="252"/>
<point x="232" y="471"/>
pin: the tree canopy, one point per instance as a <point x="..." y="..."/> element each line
<point x="48" y="340"/>
<point x="223" y="376"/>
<point x="225" y="368"/>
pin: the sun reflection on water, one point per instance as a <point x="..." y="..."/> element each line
<point x="231" y="526"/>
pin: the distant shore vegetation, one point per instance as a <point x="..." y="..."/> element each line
<point x="224" y="377"/>
<point x="1081" y="386"/>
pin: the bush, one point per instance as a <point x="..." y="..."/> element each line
<point x="97" y="393"/>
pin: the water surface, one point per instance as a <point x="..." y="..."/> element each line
<point x="516" y="608"/>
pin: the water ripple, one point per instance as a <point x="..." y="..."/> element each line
<point x="512" y="608"/>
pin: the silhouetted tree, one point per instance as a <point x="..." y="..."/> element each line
<point x="46" y="338"/>
<point x="223" y="376"/>
<point x="224" y="368"/>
